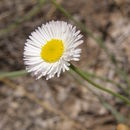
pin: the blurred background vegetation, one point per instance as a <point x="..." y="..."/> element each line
<point x="68" y="102"/>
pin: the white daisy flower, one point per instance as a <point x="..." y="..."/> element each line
<point x="50" y="48"/>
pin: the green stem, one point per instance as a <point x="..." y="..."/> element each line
<point x="86" y="77"/>
<point x="93" y="75"/>
<point x="118" y="116"/>
<point x="13" y="74"/>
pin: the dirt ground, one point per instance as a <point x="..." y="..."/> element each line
<point x="64" y="103"/>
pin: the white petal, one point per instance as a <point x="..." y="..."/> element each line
<point x="52" y="30"/>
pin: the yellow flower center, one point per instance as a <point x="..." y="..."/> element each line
<point x="52" y="50"/>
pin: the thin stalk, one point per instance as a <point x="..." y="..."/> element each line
<point x="93" y="75"/>
<point x="12" y="74"/>
<point x="118" y="116"/>
<point x="98" y="40"/>
<point x="86" y="77"/>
